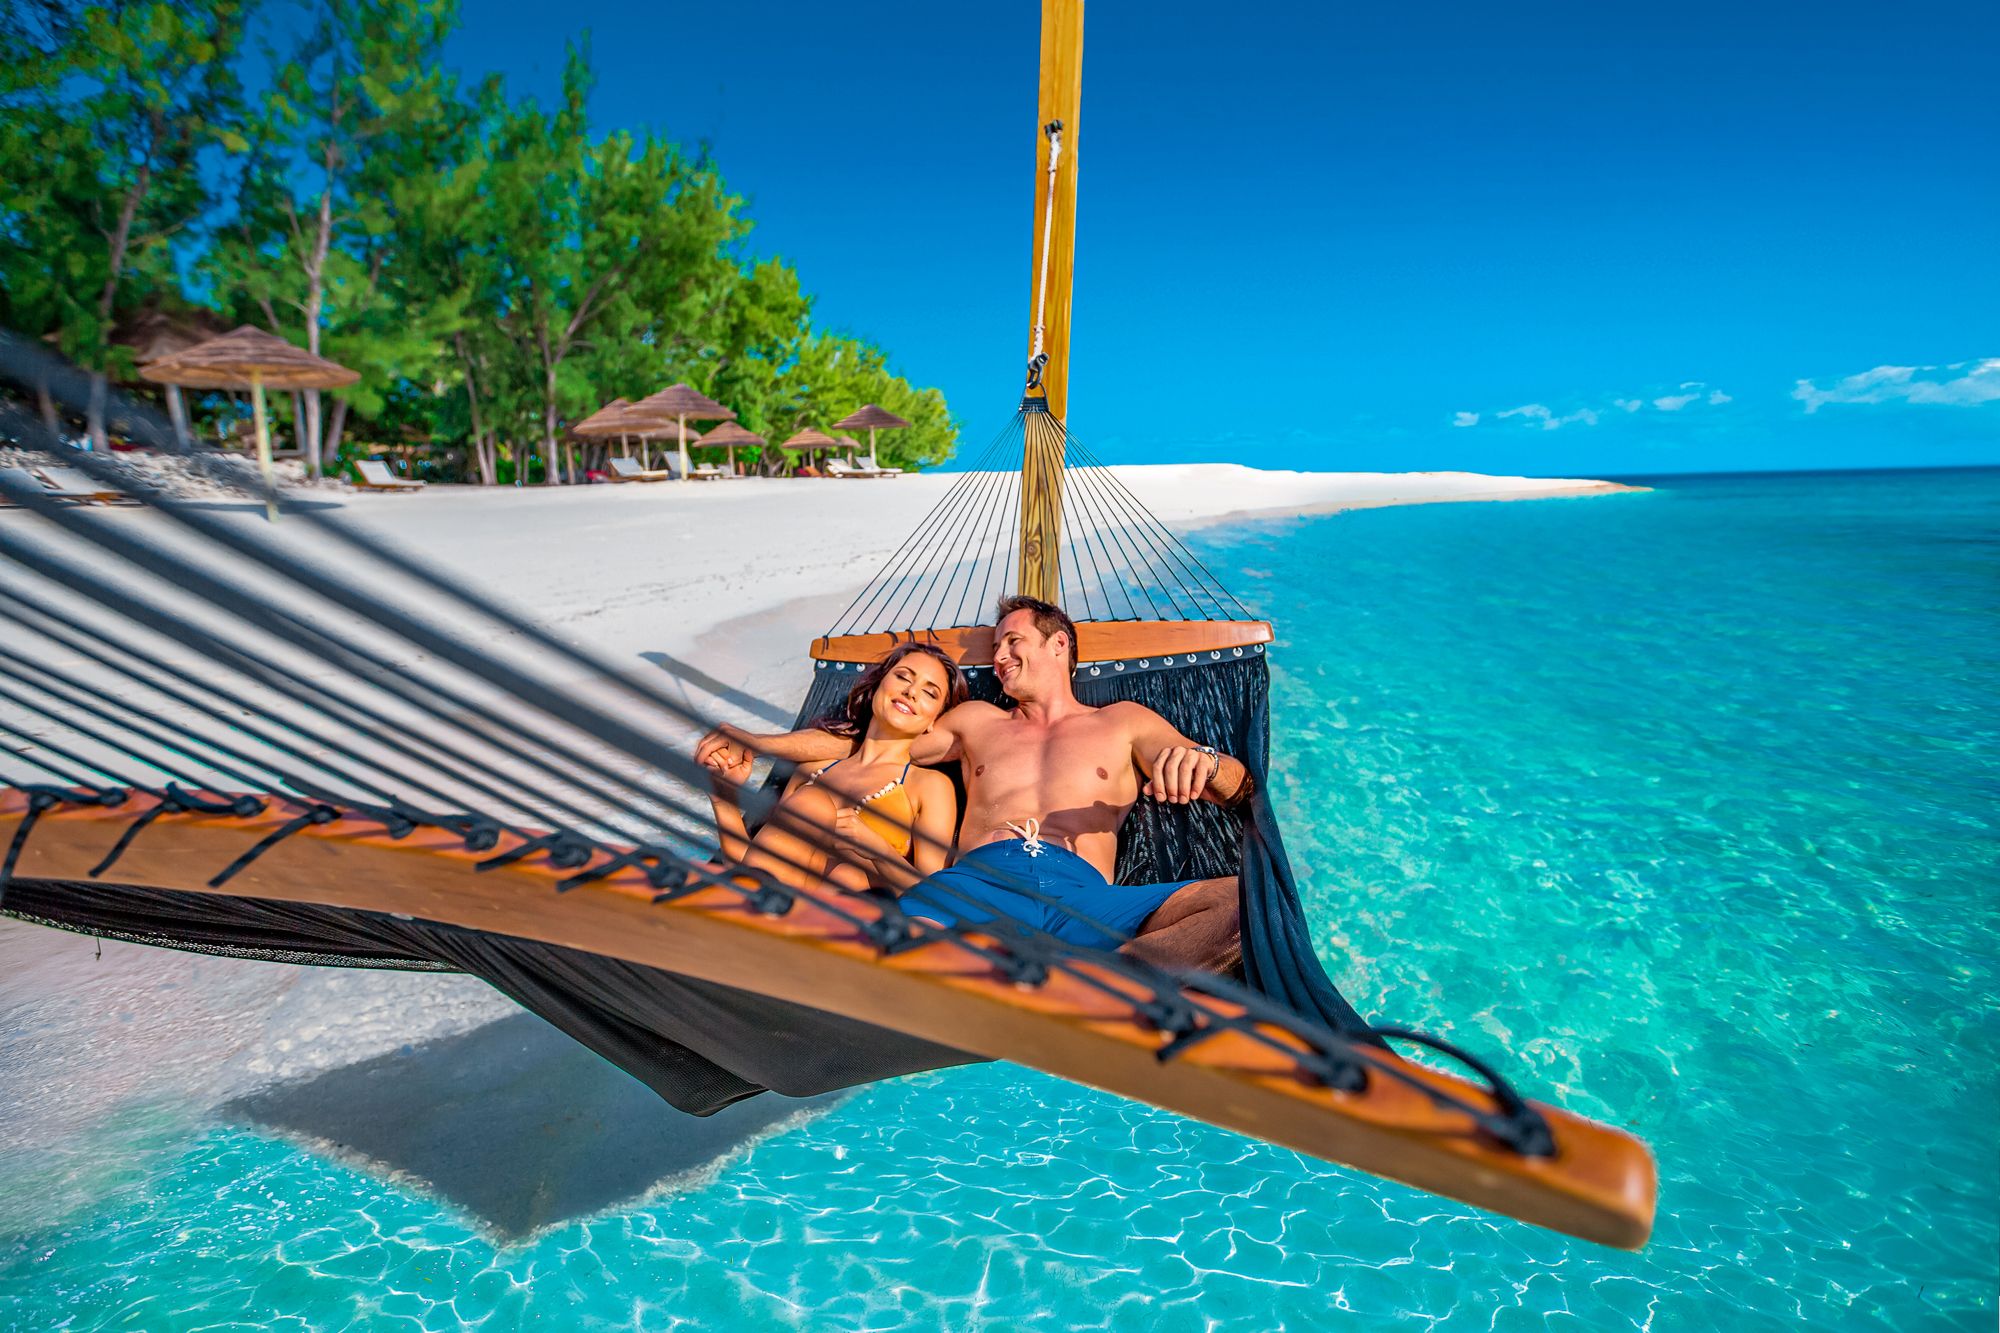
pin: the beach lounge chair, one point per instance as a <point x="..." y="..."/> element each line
<point x="628" y="469"/>
<point x="708" y="472"/>
<point x="21" y="477"/>
<point x="71" y="484"/>
<point x="376" y="476"/>
<point x="840" y="467"/>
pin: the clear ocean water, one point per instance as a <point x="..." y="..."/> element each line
<point x="1680" y="805"/>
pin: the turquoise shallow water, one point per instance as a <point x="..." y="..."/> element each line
<point x="1679" y="804"/>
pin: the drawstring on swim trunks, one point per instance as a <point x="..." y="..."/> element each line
<point x="1030" y="831"/>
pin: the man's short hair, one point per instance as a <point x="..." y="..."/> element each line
<point x="1048" y="619"/>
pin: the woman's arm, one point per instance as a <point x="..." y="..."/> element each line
<point x="936" y="827"/>
<point x="732" y="744"/>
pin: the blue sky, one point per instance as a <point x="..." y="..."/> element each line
<point x="1592" y="240"/>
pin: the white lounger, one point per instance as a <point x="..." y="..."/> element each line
<point x="68" y="482"/>
<point x="28" y="481"/>
<point x="840" y="467"/>
<point x="628" y="469"/>
<point x="376" y="476"/>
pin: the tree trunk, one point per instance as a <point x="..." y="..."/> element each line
<point x="94" y="413"/>
<point x="481" y="446"/>
<point x="107" y="297"/>
<point x="551" y="451"/>
<point x="47" y="405"/>
<point x="315" y="304"/>
<point x="331" y="452"/>
<point x="309" y="432"/>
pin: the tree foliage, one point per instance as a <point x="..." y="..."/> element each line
<point x="494" y="268"/>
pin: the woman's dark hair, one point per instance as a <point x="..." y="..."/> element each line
<point x="852" y="720"/>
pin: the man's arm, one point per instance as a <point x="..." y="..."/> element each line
<point x="1177" y="769"/>
<point x="945" y="741"/>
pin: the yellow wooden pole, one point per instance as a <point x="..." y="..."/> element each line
<point x="1056" y="109"/>
<point x="263" y="443"/>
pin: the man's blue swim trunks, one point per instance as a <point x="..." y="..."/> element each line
<point x="978" y="887"/>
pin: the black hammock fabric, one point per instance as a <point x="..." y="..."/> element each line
<point x="702" y="1046"/>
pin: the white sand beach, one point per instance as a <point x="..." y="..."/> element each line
<point x="731" y="579"/>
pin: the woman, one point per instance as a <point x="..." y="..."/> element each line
<point x="870" y="819"/>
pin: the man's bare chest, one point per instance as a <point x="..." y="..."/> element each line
<point x="1081" y="755"/>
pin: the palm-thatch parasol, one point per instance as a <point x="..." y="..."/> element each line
<point x="811" y="441"/>
<point x="681" y="404"/>
<point x="249" y="358"/>
<point x="871" y="419"/>
<point x="726" y="436"/>
<point x="605" y="422"/>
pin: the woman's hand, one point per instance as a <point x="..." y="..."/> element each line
<point x="850" y="828"/>
<point x="729" y="768"/>
<point x="724" y="749"/>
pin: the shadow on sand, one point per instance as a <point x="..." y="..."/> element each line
<point x="513" y="1122"/>
<point x="729" y="694"/>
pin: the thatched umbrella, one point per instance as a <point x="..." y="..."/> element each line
<point x="726" y="436"/>
<point x="871" y="419"/>
<point x="249" y="358"/>
<point x="604" y="422"/>
<point x="810" y="441"/>
<point x="681" y="404"/>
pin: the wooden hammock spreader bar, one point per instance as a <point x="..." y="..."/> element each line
<point x="1097" y="640"/>
<point x="1081" y="1023"/>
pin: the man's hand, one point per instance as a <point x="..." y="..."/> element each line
<point x="1181" y="773"/>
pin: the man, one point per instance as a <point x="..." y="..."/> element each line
<point x="1047" y="786"/>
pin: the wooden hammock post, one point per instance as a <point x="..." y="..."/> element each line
<point x="1050" y="271"/>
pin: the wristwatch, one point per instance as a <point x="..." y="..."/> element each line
<point x="1209" y="750"/>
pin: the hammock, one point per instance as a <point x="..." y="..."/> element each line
<point x="215" y="744"/>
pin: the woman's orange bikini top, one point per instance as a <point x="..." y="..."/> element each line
<point x="888" y="812"/>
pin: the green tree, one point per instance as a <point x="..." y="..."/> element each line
<point x="104" y="113"/>
<point x="616" y="255"/>
<point x="359" y="119"/>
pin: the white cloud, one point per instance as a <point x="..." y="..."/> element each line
<point x="1540" y="415"/>
<point x="1979" y="382"/>
<point x="1544" y="417"/>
